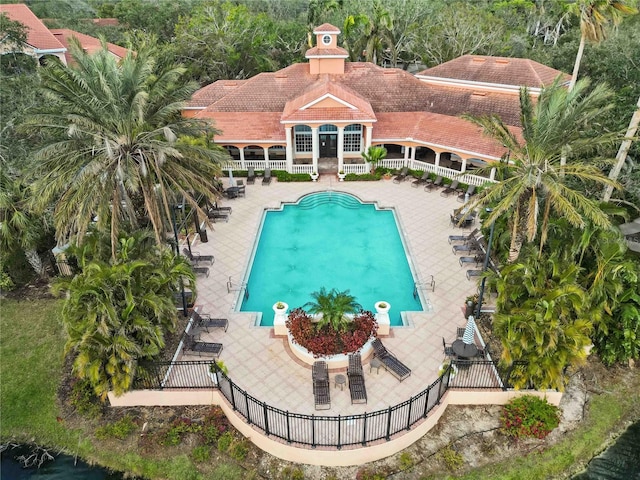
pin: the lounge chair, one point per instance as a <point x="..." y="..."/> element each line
<point x="471" y="191"/>
<point x="188" y="296"/>
<point x="196" y="258"/>
<point x="463" y="238"/>
<point x="357" y="388"/>
<point x="471" y="247"/>
<point x="421" y="181"/>
<point x="205" y="322"/>
<point x="473" y="273"/>
<point x="266" y="179"/>
<point x="389" y="361"/>
<point x="251" y="176"/>
<point x="321" y="390"/>
<point x="217" y="216"/>
<point x="201" y="271"/>
<point x="477" y="259"/>
<point x="435" y="184"/>
<point x="402" y="176"/>
<point x="196" y="347"/>
<point x="450" y="189"/>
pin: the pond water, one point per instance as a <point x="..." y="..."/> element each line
<point x="63" y="467"/>
<point x="621" y="461"/>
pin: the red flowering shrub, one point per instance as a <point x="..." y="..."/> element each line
<point x="327" y="341"/>
<point x="529" y="416"/>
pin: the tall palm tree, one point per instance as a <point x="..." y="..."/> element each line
<point x="623" y="151"/>
<point x="594" y="16"/>
<point x="115" y="146"/>
<point x="537" y="185"/>
<point x="117" y="313"/>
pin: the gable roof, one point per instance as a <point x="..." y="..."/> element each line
<point x="89" y="44"/>
<point x="38" y="35"/>
<point x="482" y="69"/>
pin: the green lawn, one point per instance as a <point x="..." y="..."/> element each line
<point x="31" y="356"/>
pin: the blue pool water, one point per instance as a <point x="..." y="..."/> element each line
<point x="330" y="240"/>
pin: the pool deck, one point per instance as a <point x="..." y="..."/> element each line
<point x="264" y="366"/>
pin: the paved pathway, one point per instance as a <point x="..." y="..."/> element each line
<point x="263" y="365"/>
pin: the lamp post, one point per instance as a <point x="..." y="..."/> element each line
<point x="175" y="236"/>
<point x="485" y="265"/>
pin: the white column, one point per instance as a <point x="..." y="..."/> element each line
<point x="463" y="168"/>
<point x="340" y="148"/>
<point x="369" y="136"/>
<point x="242" y="158"/>
<point x="315" y="141"/>
<point x="289" y="148"/>
<point x="413" y="153"/>
<point x="266" y="155"/>
<point x="437" y="164"/>
<point x="492" y="174"/>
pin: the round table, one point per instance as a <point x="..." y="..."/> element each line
<point x="340" y="380"/>
<point x="464" y="350"/>
<point x="375" y="363"/>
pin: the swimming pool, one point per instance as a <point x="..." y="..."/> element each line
<point x="331" y="240"/>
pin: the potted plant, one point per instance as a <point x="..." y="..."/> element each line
<point x="382" y="307"/>
<point x="443" y="368"/>
<point x="216" y="367"/>
<point x="341" y="175"/>
<point x="314" y="176"/>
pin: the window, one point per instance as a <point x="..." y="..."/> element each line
<point x="353" y="138"/>
<point x="326" y="39"/>
<point x="303" y="140"/>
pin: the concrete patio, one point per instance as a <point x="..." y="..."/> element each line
<point x="264" y="366"/>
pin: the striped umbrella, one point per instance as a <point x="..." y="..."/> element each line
<point x="469" y="331"/>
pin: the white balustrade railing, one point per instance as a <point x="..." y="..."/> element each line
<point x="468" y="178"/>
<point x="392" y="163"/>
<point x="357" y="168"/>
<point x="302" y="169"/>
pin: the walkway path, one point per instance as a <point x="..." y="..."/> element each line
<point x="263" y="365"/>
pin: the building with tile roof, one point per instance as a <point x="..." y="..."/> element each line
<point x="42" y="41"/>
<point x="319" y="116"/>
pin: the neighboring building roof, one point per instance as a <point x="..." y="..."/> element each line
<point x="38" y="35"/>
<point x="89" y="44"/>
<point x="496" y="71"/>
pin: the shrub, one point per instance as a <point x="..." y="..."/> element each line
<point x="178" y="429"/>
<point x="284" y="176"/>
<point x="365" y="177"/>
<point x="452" y="459"/>
<point x="529" y="416"/>
<point x="239" y="450"/>
<point x="326" y="340"/>
<point x="201" y="454"/>
<point x="120" y="429"/>
<point x="84" y="399"/>
<point x="224" y="442"/>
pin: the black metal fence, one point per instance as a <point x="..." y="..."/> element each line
<point x="483" y="374"/>
<point x="321" y="430"/>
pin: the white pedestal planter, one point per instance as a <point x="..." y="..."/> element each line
<point x="280" y="318"/>
<point x="341" y="176"/>
<point x="314" y="176"/>
<point x="382" y="317"/>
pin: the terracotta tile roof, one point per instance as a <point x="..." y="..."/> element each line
<point x="246" y="126"/>
<point x="386" y="90"/>
<point x="213" y="92"/>
<point x="322" y="88"/>
<point x="89" y="44"/>
<point x="498" y="70"/>
<point x="437" y="129"/>
<point x="326" y="27"/>
<point x="38" y="35"/>
<point x="324" y="52"/>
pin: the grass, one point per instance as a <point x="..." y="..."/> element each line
<point x="31" y="359"/>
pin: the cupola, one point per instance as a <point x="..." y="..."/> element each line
<point x="326" y="56"/>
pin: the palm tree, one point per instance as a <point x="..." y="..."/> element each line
<point x="594" y="16"/>
<point x="118" y="313"/>
<point x="537" y="185"/>
<point x="334" y="306"/>
<point x="623" y="151"/>
<point x="373" y="155"/>
<point x="542" y="319"/>
<point x="116" y="151"/>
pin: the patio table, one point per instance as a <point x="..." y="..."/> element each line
<point x="464" y="350"/>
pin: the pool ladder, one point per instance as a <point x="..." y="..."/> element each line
<point x="232" y="287"/>
<point x="422" y="285"/>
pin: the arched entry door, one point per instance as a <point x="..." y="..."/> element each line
<point x="328" y="141"/>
